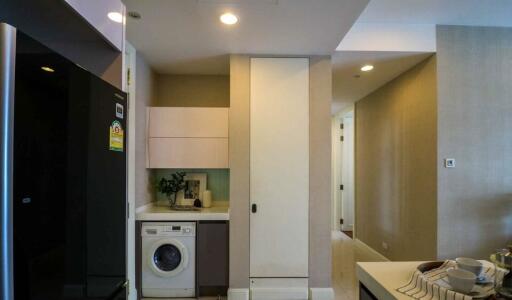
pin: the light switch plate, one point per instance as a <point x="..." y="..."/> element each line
<point x="449" y="162"/>
<point x="385" y="245"/>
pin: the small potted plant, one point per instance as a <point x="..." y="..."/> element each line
<point x="171" y="187"/>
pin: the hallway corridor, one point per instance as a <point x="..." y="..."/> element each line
<point x="345" y="254"/>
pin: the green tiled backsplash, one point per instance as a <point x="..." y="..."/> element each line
<point x="217" y="181"/>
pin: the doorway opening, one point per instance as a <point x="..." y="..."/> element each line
<point x="343" y="138"/>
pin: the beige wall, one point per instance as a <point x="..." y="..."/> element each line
<point x="239" y="163"/>
<point x="192" y="90"/>
<point x="475" y="128"/>
<point x="320" y="93"/>
<point x="145" y="94"/>
<point x="320" y="171"/>
<point x="114" y="71"/>
<point x="396" y="165"/>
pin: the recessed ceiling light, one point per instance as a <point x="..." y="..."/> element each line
<point x="47" y="69"/>
<point x="367" y="68"/>
<point x="115" y="16"/>
<point x="229" y="19"/>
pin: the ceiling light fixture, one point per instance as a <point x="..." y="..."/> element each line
<point x="47" y="69"/>
<point x="229" y="19"/>
<point x="115" y="16"/>
<point x="367" y="68"/>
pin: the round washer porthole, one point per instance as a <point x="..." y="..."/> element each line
<point x="168" y="257"/>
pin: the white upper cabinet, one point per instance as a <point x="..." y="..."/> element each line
<point x="95" y="12"/>
<point x="199" y="122"/>
<point x="188" y="153"/>
<point x="188" y="137"/>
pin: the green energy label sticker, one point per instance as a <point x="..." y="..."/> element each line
<point x="116" y="136"/>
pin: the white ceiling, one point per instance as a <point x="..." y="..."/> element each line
<point x="186" y="37"/>
<point x="390" y="37"/>
<point x="447" y="12"/>
<point x="403" y="25"/>
<point x="347" y="88"/>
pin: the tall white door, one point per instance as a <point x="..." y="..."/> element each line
<point x="279" y="167"/>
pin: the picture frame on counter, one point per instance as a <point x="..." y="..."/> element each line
<point x="195" y="185"/>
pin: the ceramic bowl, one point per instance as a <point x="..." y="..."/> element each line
<point x="462" y="281"/>
<point x="469" y="264"/>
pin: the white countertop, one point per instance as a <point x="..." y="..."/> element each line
<point x="152" y="212"/>
<point x="383" y="278"/>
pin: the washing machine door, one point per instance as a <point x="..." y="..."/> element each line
<point x="168" y="257"/>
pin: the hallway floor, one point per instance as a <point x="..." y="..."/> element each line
<point x="345" y="254"/>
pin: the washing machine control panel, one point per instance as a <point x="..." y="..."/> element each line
<point x="175" y="229"/>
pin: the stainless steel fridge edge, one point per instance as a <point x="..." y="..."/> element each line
<point x="7" y="62"/>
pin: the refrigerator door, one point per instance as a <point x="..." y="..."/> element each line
<point x="69" y="189"/>
<point x="106" y="189"/>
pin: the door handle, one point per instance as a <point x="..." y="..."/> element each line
<point x="254" y="208"/>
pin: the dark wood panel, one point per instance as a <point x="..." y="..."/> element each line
<point x="212" y="257"/>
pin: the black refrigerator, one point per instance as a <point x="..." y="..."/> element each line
<point x="64" y="223"/>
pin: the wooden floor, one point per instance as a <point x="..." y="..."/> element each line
<point x="345" y="254"/>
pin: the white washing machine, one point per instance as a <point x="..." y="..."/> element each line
<point x="168" y="259"/>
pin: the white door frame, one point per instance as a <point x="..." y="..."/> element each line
<point x="335" y="174"/>
<point x="129" y="80"/>
<point x="340" y="170"/>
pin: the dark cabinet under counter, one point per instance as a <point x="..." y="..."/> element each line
<point x="212" y="251"/>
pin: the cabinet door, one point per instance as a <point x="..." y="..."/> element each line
<point x="197" y="122"/>
<point x="188" y="153"/>
<point x="212" y="254"/>
<point x="279" y="176"/>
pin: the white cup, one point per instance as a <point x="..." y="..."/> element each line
<point x="469" y="264"/>
<point x="207" y="198"/>
<point x="462" y="281"/>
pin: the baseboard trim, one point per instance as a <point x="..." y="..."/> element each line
<point x="238" y="294"/>
<point x="275" y="293"/>
<point x="321" y="294"/>
<point x="361" y="244"/>
<point x="314" y="294"/>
